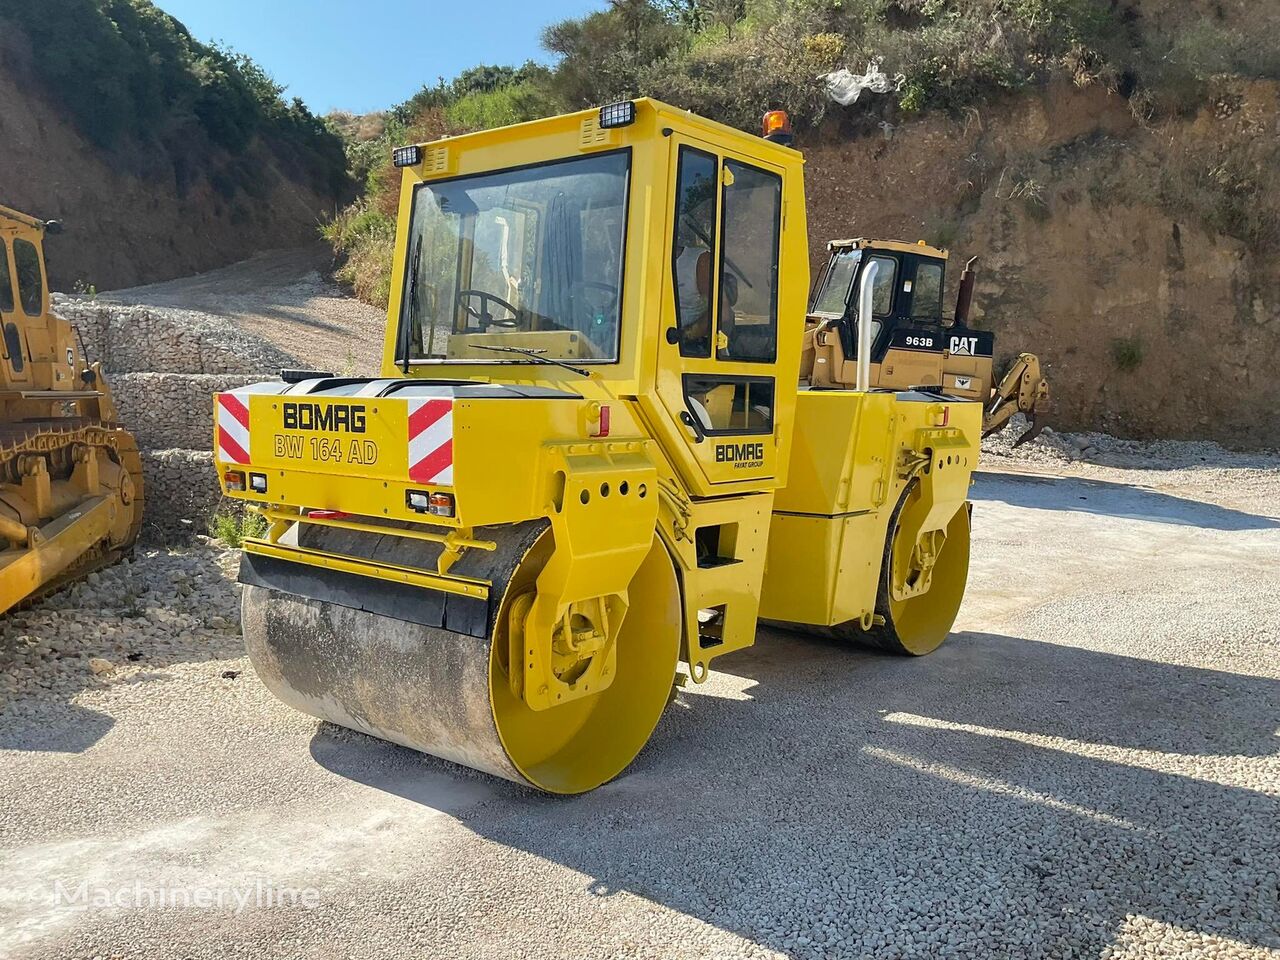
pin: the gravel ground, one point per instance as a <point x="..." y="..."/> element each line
<point x="1088" y="768"/>
<point x="285" y="298"/>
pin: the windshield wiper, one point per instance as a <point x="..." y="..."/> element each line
<point x="413" y="303"/>
<point x="534" y="355"/>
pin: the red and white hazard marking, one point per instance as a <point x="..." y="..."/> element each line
<point x="232" y="428"/>
<point x="431" y="441"/>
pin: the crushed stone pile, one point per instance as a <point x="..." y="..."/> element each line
<point x="121" y="624"/>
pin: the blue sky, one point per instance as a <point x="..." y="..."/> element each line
<point x="363" y="55"/>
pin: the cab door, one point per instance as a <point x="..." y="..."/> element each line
<point x="718" y="352"/>
<point x="12" y="327"/>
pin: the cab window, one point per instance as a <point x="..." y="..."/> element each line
<point x="691" y="253"/>
<point x="6" y="281"/>
<point x="833" y="298"/>
<point x="724" y="404"/>
<point x="750" y="228"/>
<point x="30" y="283"/>
<point x="519" y="262"/>
<point x="886" y="279"/>
<point x="926" y="300"/>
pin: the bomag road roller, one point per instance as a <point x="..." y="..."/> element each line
<point x="588" y="458"/>
<point x="70" y="475"/>
<point x="912" y="344"/>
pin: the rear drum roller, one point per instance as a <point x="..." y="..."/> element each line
<point x="916" y="625"/>
<point x="447" y="693"/>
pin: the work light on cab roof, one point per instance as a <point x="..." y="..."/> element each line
<point x="409" y="156"/>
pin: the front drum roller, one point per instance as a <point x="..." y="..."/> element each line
<point x="447" y="693"/>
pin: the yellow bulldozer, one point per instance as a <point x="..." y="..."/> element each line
<point x="589" y="457"/>
<point x="70" y="475"/>
<point x="913" y="345"/>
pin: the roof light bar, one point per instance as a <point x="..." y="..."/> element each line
<point x="620" y="114"/>
<point x="406" y="156"/>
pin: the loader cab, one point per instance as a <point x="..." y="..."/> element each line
<point x="914" y="344"/>
<point x="907" y="296"/>
<point x="636" y="252"/>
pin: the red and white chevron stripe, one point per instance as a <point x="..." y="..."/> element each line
<point x="232" y="428"/>
<point x="431" y="441"/>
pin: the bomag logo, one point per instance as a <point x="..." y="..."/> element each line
<point x="334" y="418"/>
<point x="741" y="455"/>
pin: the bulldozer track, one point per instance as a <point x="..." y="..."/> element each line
<point x="51" y="436"/>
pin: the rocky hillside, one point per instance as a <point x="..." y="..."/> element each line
<point x="1136" y="258"/>
<point x="1116" y="166"/>
<point x="163" y="156"/>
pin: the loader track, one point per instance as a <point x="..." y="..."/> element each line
<point x="54" y="438"/>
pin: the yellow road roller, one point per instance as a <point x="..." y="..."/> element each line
<point x="589" y="467"/>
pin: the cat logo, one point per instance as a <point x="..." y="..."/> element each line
<point x="964" y="346"/>
<point x="964" y="383"/>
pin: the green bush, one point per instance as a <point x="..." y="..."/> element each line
<point x="127" y="72"/>
<point x="1126" y="352"/>
<point x="233" y="527"/>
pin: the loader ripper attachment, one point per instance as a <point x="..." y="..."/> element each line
<point x="1023" y="389"/>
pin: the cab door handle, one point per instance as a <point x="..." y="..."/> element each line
<point x="692" y="423"/>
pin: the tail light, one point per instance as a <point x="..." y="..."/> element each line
<point x="233" y="479"/>
<point x="436" y="504"/>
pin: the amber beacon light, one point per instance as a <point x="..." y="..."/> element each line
<point x="776" y="127"/>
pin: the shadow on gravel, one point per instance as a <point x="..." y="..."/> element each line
<point x="55" y="728"/>
<point x="1107" y="498"/>
<point x="822" y="802"/>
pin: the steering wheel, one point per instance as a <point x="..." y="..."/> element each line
<point x="483" y="314"/>
<point x="609" y="290"/>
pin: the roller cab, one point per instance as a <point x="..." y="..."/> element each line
<point x="589" y="455"/>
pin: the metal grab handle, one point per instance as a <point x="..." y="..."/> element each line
<point x="866" y="298"/>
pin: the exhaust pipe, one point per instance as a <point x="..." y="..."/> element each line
<point x="866" y="300"/>
<point x="964" y="296"/>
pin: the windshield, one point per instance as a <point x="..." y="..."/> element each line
<point x="529" y="259"/>
<point x="834" y="295"/>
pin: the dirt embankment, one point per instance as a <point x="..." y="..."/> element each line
<point x="132" y="217"/>
<point x="1098" y="247"/>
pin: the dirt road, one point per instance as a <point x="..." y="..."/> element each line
<point x="283" y="297"/>
<point x="1089" y="767"/>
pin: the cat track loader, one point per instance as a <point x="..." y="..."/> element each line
<point x="588" y="457"/>
<point x="912" y="344"/>
<point x="70" y="475"/>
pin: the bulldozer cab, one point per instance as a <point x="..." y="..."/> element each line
<point x="23" y="292"/>
<point x="642" y="254"/>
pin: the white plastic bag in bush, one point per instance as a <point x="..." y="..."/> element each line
<point x="844" y="87"/>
